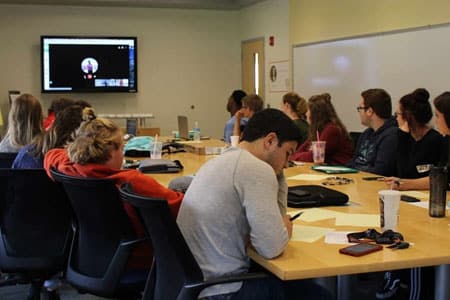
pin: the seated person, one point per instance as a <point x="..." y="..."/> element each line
<point x="97" y="151"/>
<point x="240" y="198"/>
<point x="24" y="123"/>
<point x="419" y="148"/>
<point x="377" y="146"/>
<point x="234" y="104"/>
<point x="326" y="126"/>
<point x="295" y="107"/>
<point x="442" y="114"/>
<point x="419" y="145"/>
<point x="251" y="104"/>
<point x="56" y="106"/>
<point x="58" y="136"/>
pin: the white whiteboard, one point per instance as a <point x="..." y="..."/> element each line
<point x="398" y="62"/>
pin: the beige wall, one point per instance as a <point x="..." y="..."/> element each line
<point x="185" y="57"/>
<point x="319" y="20"/>
<point x="263" y="20"/>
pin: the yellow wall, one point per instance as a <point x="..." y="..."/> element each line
<point x="318" y="20"/>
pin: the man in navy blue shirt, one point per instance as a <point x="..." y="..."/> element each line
<point x="377" y="146"/>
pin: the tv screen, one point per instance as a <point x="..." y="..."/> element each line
<point x="88" y="64"/>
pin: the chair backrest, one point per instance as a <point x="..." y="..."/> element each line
<point x="7" y="159"/>
<point x="354" y="135"/>
<point x="35" y="222"/>
<point x="97" y="259"/>
<point x="150" y="131"/>
<point x="175" y="263"/>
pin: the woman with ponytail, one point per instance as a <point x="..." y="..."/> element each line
<point x="295" y="107"/>
<point x="419" y="145"/>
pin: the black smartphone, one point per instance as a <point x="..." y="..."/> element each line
<point x="370" y="178"/>
<point x="407" y="198"/>
<point x="360" y="249"/>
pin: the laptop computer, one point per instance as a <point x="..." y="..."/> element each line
<point x="183" y="128"/>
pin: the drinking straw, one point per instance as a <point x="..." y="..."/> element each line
<point x="154" y="143"/>
<point x="317" y="135"/>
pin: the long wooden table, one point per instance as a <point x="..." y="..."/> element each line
<point x="191" y="163"/>
<point x="430" y="237"/>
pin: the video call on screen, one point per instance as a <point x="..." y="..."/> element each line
<point x="112" y="62"/>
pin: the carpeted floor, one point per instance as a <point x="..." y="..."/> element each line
<point x="364" y="288"/>
<point x="20" y="292"/>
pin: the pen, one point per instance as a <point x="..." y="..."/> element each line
<point x="295" y="216"/>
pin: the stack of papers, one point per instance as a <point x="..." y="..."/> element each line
<point x="311" y="234"/>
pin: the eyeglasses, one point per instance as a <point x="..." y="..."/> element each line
<point x="398" y="114"/>
<point x="358" y="108"/>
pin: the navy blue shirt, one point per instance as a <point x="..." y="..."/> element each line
<point x="25" y="159"/>
<point x="376" y="151"/>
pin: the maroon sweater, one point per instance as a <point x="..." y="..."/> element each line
<point x="338" y="148"/>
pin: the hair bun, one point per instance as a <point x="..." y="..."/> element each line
<point x="421" y="95"/>
<point x="88" y="114"/>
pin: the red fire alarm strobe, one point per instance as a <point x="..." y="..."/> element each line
<point x="271" y="40"/>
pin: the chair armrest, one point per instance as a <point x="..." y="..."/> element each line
<point x="192" y="290"/>
<point x="136" y="241"/>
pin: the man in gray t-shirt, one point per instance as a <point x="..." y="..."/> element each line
<point x="240" y="198"/>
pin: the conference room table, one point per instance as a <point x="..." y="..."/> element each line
<point x="429" y="237"/>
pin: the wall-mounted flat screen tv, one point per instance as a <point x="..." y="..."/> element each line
<point x="71" y="64"/>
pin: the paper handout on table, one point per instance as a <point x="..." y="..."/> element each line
<point x="337" y="237"/>
<point x="308" y="177"/>
<point x="315" y="214"/>
<point x="362" y="220"/>
<point x="425" y="195"/>
<point x="424" y="204"/>
<point x="309" y="234"/>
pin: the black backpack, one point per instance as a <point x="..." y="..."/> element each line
<point x="314" y="195"/>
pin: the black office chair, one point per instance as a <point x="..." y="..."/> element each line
<point x="35" y="229"/>
<point x="7" y="159"/>
<point x="354" y="135"/>
<point x="103" y="239"/>
<point x="175" y="273"/>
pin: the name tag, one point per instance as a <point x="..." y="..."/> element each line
<point x="423" y="168"/>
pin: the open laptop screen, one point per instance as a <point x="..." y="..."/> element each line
<point x="183" y="127"/>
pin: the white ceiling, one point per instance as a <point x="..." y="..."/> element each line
<point x="193" y="4"/>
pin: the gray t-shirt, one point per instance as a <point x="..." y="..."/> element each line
<point x="234" y="199"/>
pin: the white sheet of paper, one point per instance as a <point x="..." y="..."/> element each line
<point x="309" y="234"/>
<point x="424" y="204"/>
<point x="362" y="220"/>
<point x="337" y="237"/>
<point x="308" y="177"/>
<point x="422" y="195"/>
<point x="317" y="214"/>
